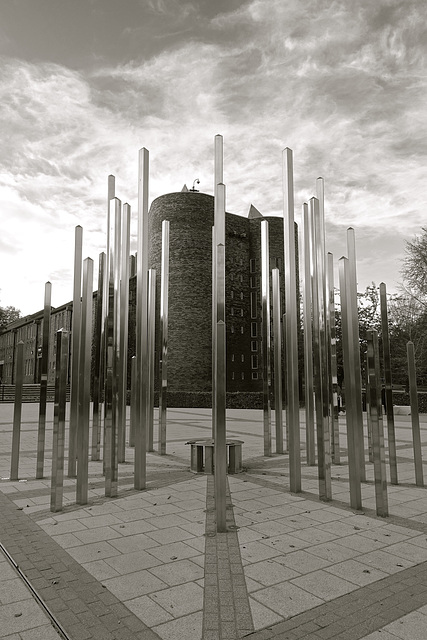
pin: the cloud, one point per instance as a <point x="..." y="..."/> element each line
<point x="342" y="84"/>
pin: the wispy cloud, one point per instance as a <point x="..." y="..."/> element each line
<point x="342" y="84"/>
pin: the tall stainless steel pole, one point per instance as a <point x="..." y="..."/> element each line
<point x="164" y="319"/>
<point x="58" y="440"/>
<point x="375" y="409"/>
<point x="75" y="352"/>
<point x="388" y="385"/>
<point x="277" y="342"/>
<point x="84" y="384"/>
<point x="291" y="329"/>
<point x="321" y="378"/>
<point x="112" y="364"/>
<point x="41" y="436"/>
<point x="123" y="330"/>
<point x="141" y="322"/>
<point x="266" y="338"/>
<point x="17" y="411"/>
<point x="308" y="337"/>
<point x="354" y="319"/>
<point x="218" y="179"/>
<point x="105" y="305"/>
<point x="220" y="424"/>
<point x="415" y="418"/>
<point x="349" y="374"/>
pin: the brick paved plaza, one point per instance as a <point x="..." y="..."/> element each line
<point x="149" y="565"/>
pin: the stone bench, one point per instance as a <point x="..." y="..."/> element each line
<point x="202" y="455"/>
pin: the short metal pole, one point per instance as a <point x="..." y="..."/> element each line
<point x="84" y="384"/>
<point x="333" y="373"/>
<point x="17" y="410"/>
<point x="75" y="352"/>
<point x="388" y="385"/>
<point x="415" y="418"/>
<point x="98" y="385"/>
<point x="58" y="441"/>
<point x="349" y="372"/>
<point x="133" y="399"/>
<point x="41" y="435"/>
<point x="377" y="423"/>
<point x="151" y="330"/>
<point x="277" y="342"/>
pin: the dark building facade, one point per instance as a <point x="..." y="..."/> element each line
<point x="191" y="217"/>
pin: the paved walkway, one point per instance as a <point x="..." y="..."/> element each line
<point x="150" y="565"/>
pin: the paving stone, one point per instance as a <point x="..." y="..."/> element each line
<point x="323" y="584"/>
<point x="188" y="627"/>
<point x="180" y="600"/>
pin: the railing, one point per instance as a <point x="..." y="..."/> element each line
<point x="30" y="393"/>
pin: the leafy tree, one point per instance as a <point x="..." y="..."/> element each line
<point x="8" y="315"/>
<point x="414" y="269"/>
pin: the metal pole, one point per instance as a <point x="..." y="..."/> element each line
<point x="124" y="330"/>
<point x="58" y="441"/>
<point x="141" y="322"/>
<point x="324" y="335"/>
<point x="308" y="337"/>
<point x="375" y="409"/>
<point x="164" y="316"/>
<point x="266" y="338"/>
<point x="349" y="373"/>
<point x="112" y="365"/>
<point x="354" y="319"/>
<point x="321" y="379"/>
<point x="84" y="384"/>
<point x="388" y="385"/>
<point x="415" y="418"/>
<point x="277" y="341"/>
<point x="99" y="355"/>
<point x="133" y="401"/>
<point x="219" y="400"/>
<point x="220" y="456"/>
<point x="75" y="352"/>
<point x="291" y="334"/>
<point x="17" y="411"/>
<point x="333" y="373"/>
<point x="41" y="436"/>
<point x="151" y="330"/>
<point x="105" y="306"/>
<point x="218" y="179"/>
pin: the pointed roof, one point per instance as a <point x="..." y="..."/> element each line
<point x="184" y="189"/>
<point x="254" y="213"/>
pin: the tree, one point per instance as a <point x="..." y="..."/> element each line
<point x="8" y="315"/>
<point x="414" y="269"/>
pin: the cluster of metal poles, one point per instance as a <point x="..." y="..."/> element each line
<point x="105" y="330"/>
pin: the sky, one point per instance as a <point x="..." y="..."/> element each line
<point x="84" y="84"/>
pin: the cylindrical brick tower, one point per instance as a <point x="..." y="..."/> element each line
<point x="191" y="216"/>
